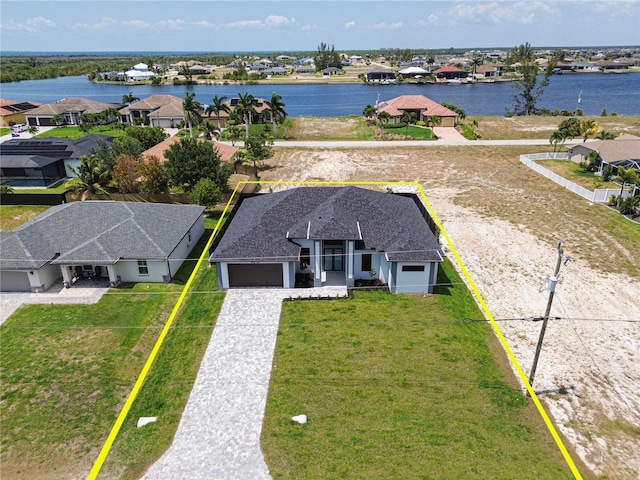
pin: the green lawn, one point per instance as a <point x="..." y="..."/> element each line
<point x="413" y="132"/>
<point x="399" y="386"/>
<point x="12" y="216"/>
<point x="4" y="131"/>
<point x="67" y="370"/>
<point x="572" y="171"/>
<point x="74" y="132"/>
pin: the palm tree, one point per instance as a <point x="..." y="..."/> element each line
<point x="589" y="128"/>
<point x="209" y="130"/>
<point x="604" y="135"/>
<point x="93" y="176"/>
<point x="129" y="98"/>
<point x="246" y="109"/>
<point x="383" y="117"/>
<point x="476" y="61"/>
<point x="407" y="118"/>
<point x="56" y="119"/>
<point x="557" y="137"/>
<point x="192" y="109"/>
<point x="369" y="111"/>
<point x="33" y="130"/>
<point x="626" y="177"/>
<point x="276" y="108"/>
<point x="217" y="107"/>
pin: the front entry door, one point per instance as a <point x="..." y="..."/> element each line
<point x="333" y="259"/>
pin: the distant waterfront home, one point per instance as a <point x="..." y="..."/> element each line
<point x="43" y="162"/>
<point x="12" y="112"/>
<point x="164" y="111"/>
<point x="613" y="66"/>
<point x="623" y="151"/>
<point x="139" y="73"/>
<point x="380" y="75"/>
<point x="260" y="114"/>
<point x="328" y="235"/>
<point x="450" y="72"/>
<point x="330" y="71"/>
<point x="422" y="106"/>
<point x="114" y="241"/>
<point x="491" y="71"/>
<point x="67" y="110"/>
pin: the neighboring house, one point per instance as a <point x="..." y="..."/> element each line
<point x="450" y="72"/>
<point x="330" y="71"/>
<point x="43" y="162"/>
<point x="118" y="241"/>
<point x="226" y="152"/>
<point x="330" y="235"/>
<point x="138" y="73"/>
<point x="623" y="151"/>
<point x="422" y="106"/>
<point x="12" y="112"/>
<point x="613" y="66"/>
<point x="164" y="111"/>
<point x="491" y="71"/>
<point x="380" y="75"/>
<point x="261" y="113"/>
<point x="68" y="109"/>
<point x="199" y="70"/>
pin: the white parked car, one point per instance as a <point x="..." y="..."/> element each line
<point x="19" y="128"/>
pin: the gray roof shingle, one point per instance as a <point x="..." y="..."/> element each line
<point x="97" y="232"/>
<point x="384" y="222"/>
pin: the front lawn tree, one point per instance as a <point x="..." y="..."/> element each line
<point x="190" y="160"/>
<point x="530" y="90"/>
<point x="217" y="107"/>
<point x="246" y="109"/>
<point x="129" y="98"/>
<point x="257" y="148"/>
<point x="191" y="109"/>
<point x="589" y="128"/>
<point x="206" y="192"/>
<point x="326" y="57"/>
<point x="125" y="174"/>
<point x="277" y="111"/>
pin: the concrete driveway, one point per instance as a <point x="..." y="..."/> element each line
<point x="85" y="291"/>
<point x="219" y="433"/>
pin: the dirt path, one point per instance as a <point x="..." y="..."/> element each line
<point x="592" y="354"/>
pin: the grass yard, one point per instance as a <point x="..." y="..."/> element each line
<point x="12" y="216"/>
<point x="399" y="386"/>
<point x="413" y="133"/>
<point x="67" y="370"/>
<point x="572" y="171"/>
<point x="74" y="132"/>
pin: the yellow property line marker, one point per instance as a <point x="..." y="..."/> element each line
<point x="147" y="366"/>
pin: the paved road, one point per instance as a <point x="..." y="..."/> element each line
<point x="219" y="433"/>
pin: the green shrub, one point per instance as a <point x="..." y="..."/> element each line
<point x="607" y="172"/>
<point x="391" y="126"/>
<point x="613" y="200"/>
<point x="628" y="205"/>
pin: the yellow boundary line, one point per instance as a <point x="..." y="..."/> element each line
<point x="154" y="352"/>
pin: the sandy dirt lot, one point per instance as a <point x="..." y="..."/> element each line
<point x="505" y="223"/>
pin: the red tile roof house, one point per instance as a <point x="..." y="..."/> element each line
<point x="332" y="235"/>
<point x="422" y="106"/>
<point x="112" y="241"/>
<point x="450" y="72"/>
<point x="226" y="152"/>
<point x="12" y="112"/>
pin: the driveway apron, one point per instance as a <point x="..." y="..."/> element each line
<point x="219" y="433"/>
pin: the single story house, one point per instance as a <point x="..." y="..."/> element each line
<point x="422" y="106"/>
<point x="380" y="75"/>
<point x="31" y="162"/>
<point x="68" y="110"/>
<point x="450" y="72"/>
<point x="330" y="71"/>
<point x="12" y="112"/>
<point x="227" y="153"/>
<point x="118" y="241"/>
<point x="328" y="235"/>
<point x="164" y="111"/>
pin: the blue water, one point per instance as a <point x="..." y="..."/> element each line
<point x="618" y="93"/>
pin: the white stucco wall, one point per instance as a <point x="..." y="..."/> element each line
<point x="128" y="271"/>
<point x="182" y="250"/>
<point x="43" y="278"/>
<point x="414" y="282"/>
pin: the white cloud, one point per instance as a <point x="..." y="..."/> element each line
<point x="496" y="13"/>
<point x="279" y="21"/>
<point x="308" y="26"/>
<point x="387" y="26"/>
<point x="31" y="25"/>
<point x="431" y="21"/>
<point x="245" y="24"/>
<point x="104" y="24"/>
<point x="350" y="24"/>
<point x="177" y="24"/>
<point x="139" y="24"/>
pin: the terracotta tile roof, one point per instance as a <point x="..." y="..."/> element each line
<point x="397" y="106"/>
<point x="11" y="107"/>
<point x="65" y="105"/>
<point x="227" y="152"/>
<point x="161" y="106"/>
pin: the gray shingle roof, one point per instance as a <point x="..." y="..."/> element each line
<point x="384" y="222"/>
<point x="97" y="232"/>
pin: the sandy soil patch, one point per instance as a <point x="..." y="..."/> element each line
<point x="592" y="354"/>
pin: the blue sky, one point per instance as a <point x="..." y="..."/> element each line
<point x="233" y="25"/>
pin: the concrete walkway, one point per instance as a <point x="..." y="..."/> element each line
<point x="219" y="433"/>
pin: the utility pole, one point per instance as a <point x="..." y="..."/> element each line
<point x="551" y="286"/>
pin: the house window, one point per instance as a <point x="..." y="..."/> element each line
<point x="366" y="262"/>
<point x="142" y="267"/>
<point x="413" y="268"/>
<point x="305" y="256"/>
